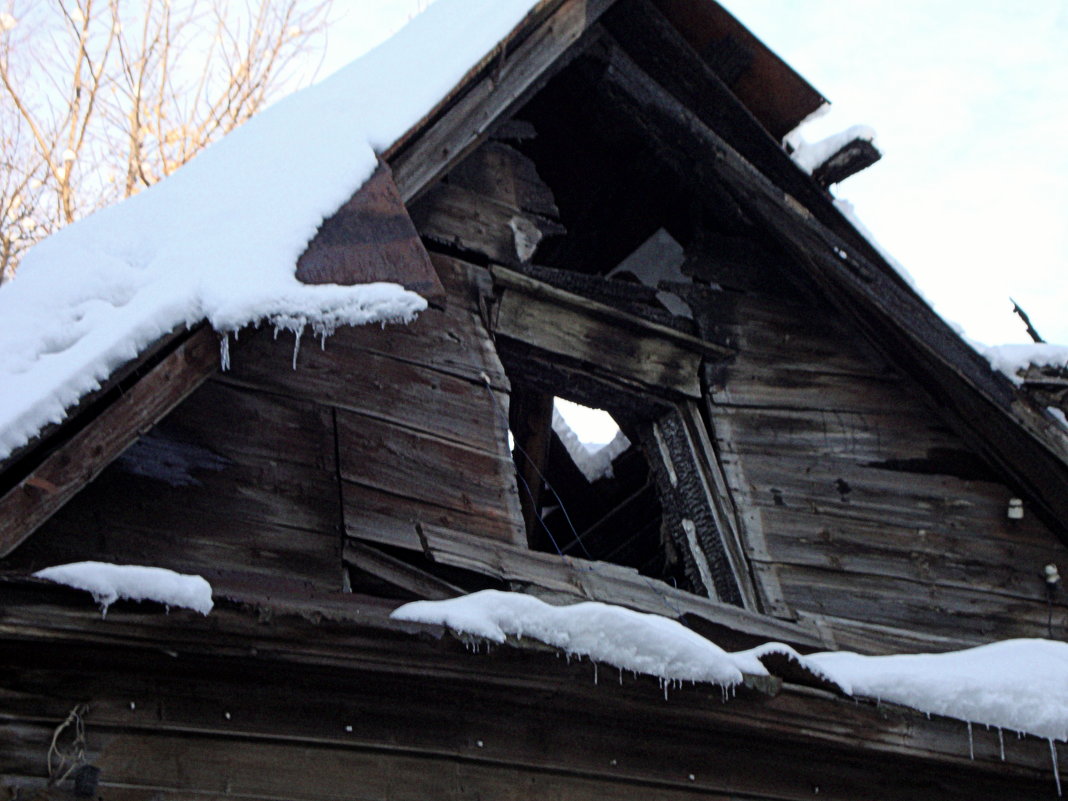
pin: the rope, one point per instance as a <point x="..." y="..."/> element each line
<point x="75" y="755"/>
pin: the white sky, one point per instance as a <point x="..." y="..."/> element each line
<point x="970" y="101"/>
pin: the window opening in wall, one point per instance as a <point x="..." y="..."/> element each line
<point x="595" y="497"/>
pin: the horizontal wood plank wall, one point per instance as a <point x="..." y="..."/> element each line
<point x="859" y="504"/>
<point x="230" y="479"/>
<point x="433" y="721"/>
<point x="421" y="438"/>
<point x="243" y="475"/>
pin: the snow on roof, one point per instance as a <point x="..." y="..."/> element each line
<point x="108" y="583"/>
<point x="219" y="239"/>
<point x="1016" y="684"/>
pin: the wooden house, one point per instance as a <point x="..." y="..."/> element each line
<point x="600" y="211"/>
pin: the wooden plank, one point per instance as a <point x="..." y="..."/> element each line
<point x="386" y="518"/>
<point x="499" y="171"/>
<point x="482" y="226"/>
<point x="77" y="462"/>
<point x="428" y="469"/>
<point x="471" y="118"/>
<point x="398" y="572"/>
<point x="601" y="581"/>
<point x="938" y="609"/>
<point x="261" y="495"/>
<point x="427" y="399"/>
<point x="370" y="238"/>
<point x="736" y="491"/>
<point x="607" y="348"/>
<point x="539" y="290"/>
<point x="979" y="565"/>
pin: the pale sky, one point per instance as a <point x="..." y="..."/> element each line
<point x="970" y="103"/>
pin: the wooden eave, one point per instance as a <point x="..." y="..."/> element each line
<point x="290" y="674"/>
<point x="769" y="87"/>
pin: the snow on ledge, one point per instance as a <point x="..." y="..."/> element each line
<point x="108" y="583"/>
<point x="810" y="155"/>
<point x="636" y="641"/>
<point x="219" y="239"/>
<point x="1021" y="685"/>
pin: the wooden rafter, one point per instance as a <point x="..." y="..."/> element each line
<point x="420" y="160"/>
<point x="81" y="458"/>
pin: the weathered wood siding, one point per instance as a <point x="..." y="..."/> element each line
<point x="858" y="503"/>
<point x="265" y="467"/>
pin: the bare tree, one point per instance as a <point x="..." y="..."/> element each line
<point x="102" y="98"/>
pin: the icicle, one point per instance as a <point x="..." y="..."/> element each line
<point x="971" y="742"/>
<point x="1056" y="769"/>
<point x="297" y="334"/>
<point x="1001" y="743"/>
<point x="621" y="677"/>
<point x="595" y="673"/>
<point x="665" y="690"/>
<point x="224" y="352"/>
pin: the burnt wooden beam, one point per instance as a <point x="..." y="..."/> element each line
<point x="531" y="421"/>
<point x="981" y="405"/>
<point x="851" y="158"/>
<point x="665" y="55"/>
<point x="500" y="84"/>
<point x="81" y="459"/>
<point x="694" y="513"/>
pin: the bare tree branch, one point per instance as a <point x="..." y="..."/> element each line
<point x="104" y="97"/>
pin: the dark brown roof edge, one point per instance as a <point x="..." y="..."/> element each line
<point x="769" y="87"/>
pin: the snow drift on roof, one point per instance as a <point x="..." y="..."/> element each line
<point x="220" y="238"/>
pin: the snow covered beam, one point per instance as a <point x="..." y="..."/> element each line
<point x="852" y="157"/>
